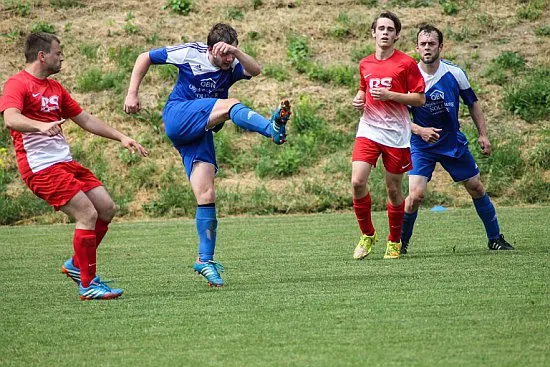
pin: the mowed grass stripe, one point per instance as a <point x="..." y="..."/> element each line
<point x="293" y="297"/>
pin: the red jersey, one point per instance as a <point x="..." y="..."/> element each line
<point x="388" y="122"/>
<point x="42" y="100"/>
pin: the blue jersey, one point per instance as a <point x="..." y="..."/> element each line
<point x="443" y="90"/>
<point x="198" y="77"/>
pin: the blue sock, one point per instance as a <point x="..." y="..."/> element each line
<point x="207" y="224"/>
<point x="408" y="225"/>
<point x="250" y="120"/>
<point x="488" y="215"/>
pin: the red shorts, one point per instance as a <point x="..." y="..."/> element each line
<point x="59" y="183"/>
<point x="396" y="160"/>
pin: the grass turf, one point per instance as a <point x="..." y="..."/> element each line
<point x="293" y="295"/>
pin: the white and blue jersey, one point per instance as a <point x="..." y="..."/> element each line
<point x="443" y="90"/>
<point x="198" y="77"/>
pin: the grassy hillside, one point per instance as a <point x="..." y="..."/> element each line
<point x="309" y="51"/>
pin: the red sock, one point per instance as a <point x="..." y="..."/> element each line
<point x="395" y="217"/>
<point x="84" y="243"/>
<point x="101" y="228"/>
<point x="362" y="208"/>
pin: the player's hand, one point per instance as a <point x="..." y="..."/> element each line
<point x="380" y="94"/>
<point x="51" y="128"/>
<point x="131" y="103"/>
<point x="134" y="146"/>
<point x="358" y="103"/>
<point x="484" y="144"/>
<point x="429" y="134"/>
<point x="222" y="49"/>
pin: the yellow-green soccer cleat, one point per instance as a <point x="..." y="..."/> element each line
<point x="392" y="250"/>
<point x="364" y="246"/>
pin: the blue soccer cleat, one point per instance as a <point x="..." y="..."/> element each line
<point x="71" y="271"/>
<point x="99" y="290"/>
<point x="209" y="270"/>
<point x="279" y="118"/>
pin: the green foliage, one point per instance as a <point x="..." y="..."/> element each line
<point x="89" y="50"/>
<point x="343" y="27"/>
<point x="529" y="97"/>
<point x="18" y="7"/>
<point x="250" y="49"/>
<point x="168" y="72"/>
<point x="410" y="3"/>
<point x="180" y="7"/>
<point x="43" y="27"/>
<point x="534" y="189"/>
<point x="298" y="52"/>
<point x="96" y="80"/>
<point x="337" y="74"/>
<point x="369" y="3"/>
<point x="130" y="27"/>
<point x="12" y="35"/>
<point x="276" y="71"/>
<point x="124" y="56"/>
<point x="532" y="10"/>
<point x="235" y="13"/>
<point x="504" y="66"/>
<point x="364" y="50"/>
<point x="450" y="7"/>
<point x="256" y="4"/>
<point x="174" y="198"/>
<point x="253" y="35"/>
<point x="543" y="31"/>
<point x="503" y="166"/>
<point x="26" y="205"/>
<point x="64" y="4"/>
<point x="539" y="154"/>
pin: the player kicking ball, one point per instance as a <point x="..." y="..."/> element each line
<point x="197" y="107"/>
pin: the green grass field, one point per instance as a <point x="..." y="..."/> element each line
<point x="293" y="295"/>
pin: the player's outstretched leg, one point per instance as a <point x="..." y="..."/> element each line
<point x="71" y="271"/>
<point x="393" y="249"/>
<point x="99" y="290"/>
<point x="279" y="119"/>
<point x="211" y="271"/>
<point x="364" y="247"/>
<point x="499" y="244"/>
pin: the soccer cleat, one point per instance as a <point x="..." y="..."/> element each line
<point x="99" y="290"/>
<point x="404" y="247"/>
<point x="278" y="121"/>
<point x="364" y="246"/>
<point x="392" y="250"/>
<point x="499" y="244"/>
<point x="71" y="271"/>
<point x="209" y="270"/>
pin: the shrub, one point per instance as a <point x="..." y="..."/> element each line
<point x="363" y="51"/>
<point x="64" y="4"/>
<point x="543" y="31"/>
<point x="532" y="10"/>
<point x="277" y="72"/>
<point x="235" y="13"/>
<point x="529" y="97"/>
<point x="450" y="7"/>
<point x="89" y="50"/>
<point x="181" y="7"/>
<point x="43" y="27"/>
<point x="298" y="52"/>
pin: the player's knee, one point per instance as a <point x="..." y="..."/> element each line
<point x="206" y="196"/>
<point x="416" y="198"/>
<point x="108" y="212"/>
<point x="394" y="194"/>
<point x="358" y="183"/>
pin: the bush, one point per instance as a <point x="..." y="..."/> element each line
<point x="64" y="4"/>
<point x="277" y="72"/>
<point x="181" y="7"/>
<point x="450" y="7"/>
<point x="43" y="27"/>
<point x="529" y="97"/>
<point x="298" y="52"/>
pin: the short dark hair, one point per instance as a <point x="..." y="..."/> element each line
<point x="222" y="32"/>
<point x="391" y="16"/>
<point x="36" y="42"/>
<point x="428" y="28"/>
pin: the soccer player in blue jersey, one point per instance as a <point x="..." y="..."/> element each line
<point x="197" y="107"/>
<point x="437" y="138"/>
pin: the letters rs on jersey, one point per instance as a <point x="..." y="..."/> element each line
<point x="41" y="100"/>
<point x="388" y="122"/>
<point x="197" y="77"/>
<point x="443" y="90"/>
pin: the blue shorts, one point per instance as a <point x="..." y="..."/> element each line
<point x="460" y="168"/>
<point x="185" y="125"/>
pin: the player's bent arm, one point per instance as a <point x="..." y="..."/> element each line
<point x="359" y="100"/>
<point x="411" y="99"/>
<point x="131" y="103"/>
<point x="14" y="120"/>
<point x="250" y="65"/>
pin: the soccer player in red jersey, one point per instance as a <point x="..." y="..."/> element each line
<point x="390" y="80"/>
<point x="34" y="108"/>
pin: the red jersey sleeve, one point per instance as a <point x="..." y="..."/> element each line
<point x="415" y="81"/>
<point x="13" y="95"/>
<point x="362" y="82"/>
<point x="69" y="107"/>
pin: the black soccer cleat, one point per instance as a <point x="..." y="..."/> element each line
<point x="404" y="246"/>
<point x="499" y="244"/>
